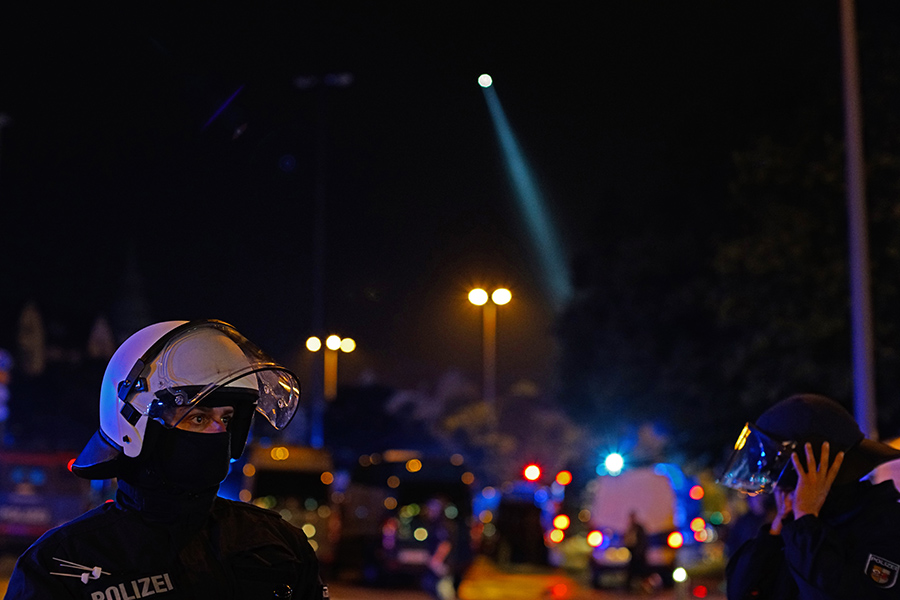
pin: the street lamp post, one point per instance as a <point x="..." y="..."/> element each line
<point x="489" y="304"/>
<point x="333" y="344"/>
<point x="321" y="84"/>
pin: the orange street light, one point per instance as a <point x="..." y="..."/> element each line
<point x="498" y="297"/>
<point x="333" y="343"/>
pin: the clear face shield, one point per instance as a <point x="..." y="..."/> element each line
<point x="758" y="462"/>
<point x="210" y="361"/>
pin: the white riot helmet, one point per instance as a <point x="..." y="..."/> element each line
<point x="169" y="366"/>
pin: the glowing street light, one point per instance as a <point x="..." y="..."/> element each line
<point x="333" y="343"/>
<point x="478" y="297"/>
<point x="499" y="297"/>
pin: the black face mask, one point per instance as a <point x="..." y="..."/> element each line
<point x="176" y="477"/>
<point x="185" y="461"/>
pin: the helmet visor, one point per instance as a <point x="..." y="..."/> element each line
<point x="212" y="357"/>
<point x="757" y="463"/>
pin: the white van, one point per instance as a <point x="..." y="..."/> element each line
<point x="657" y="496"/>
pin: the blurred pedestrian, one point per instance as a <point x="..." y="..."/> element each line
<point x="635" y="539"/>
<point x="176" y="405"/>
<point x="833" y="535"/>
<point x="437" y="580"/>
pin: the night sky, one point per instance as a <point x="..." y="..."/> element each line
<point x="116" y="153"/>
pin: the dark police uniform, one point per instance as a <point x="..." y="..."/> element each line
<point x="235" y="550"/>
<point x="851" y="551"/>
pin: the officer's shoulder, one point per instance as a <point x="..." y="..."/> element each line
<point x="93" y="522"/>
<point x="237" y="509"/>
<point x="253" y="524"/>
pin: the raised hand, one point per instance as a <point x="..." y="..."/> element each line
<point x="814" y="482"/>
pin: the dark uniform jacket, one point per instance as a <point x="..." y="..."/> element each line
<point x="236" y="550"/>
<point x="851" y="551"/>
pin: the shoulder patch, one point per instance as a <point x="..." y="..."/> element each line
<point x="882" y="571"/>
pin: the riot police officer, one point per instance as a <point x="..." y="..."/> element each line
<point x="176" y="403"/>
<point x="834" y="536"/>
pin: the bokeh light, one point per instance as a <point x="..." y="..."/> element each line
<point x="532" y="472"/>
<point x="478" y="297"/>
<point x="675" y="540"/>
<point x="564" y="478"/>
<point x="333" y="342"/>
<point x="614" y="463"/>
<point x="696" y="493"/>
<point x="594" y="539"/>
<point x="501" y="296"/>
<point x="561" y="522"/>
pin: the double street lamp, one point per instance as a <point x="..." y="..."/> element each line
<point x="333" y="344"/>
<point x="489" y="304"/>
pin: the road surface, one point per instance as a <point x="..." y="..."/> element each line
<point x="485" y="581"/>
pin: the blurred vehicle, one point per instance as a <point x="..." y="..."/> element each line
<point x="524" y="521"/>
<point x="386" y="536"/>
<point x="38" y="492"/>
<point x="515" y="523"/>
<point x="295" y="481"/>
<point x="660" y="497"/>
